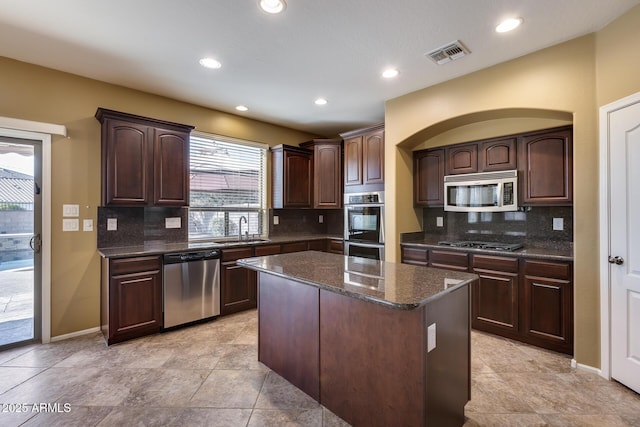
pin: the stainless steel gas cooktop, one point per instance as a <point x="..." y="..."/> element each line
<point x="482" y="245"/>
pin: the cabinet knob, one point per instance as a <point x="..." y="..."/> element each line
<point x="616" y="260"/>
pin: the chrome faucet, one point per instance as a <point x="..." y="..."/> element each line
<point x="240" y="227"/>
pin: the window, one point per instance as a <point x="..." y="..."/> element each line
<point x="228" y="182"/>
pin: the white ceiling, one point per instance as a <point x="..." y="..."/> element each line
<point x="278" y="64"/>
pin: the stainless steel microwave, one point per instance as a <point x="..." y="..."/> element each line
<point x="481" y="192"/>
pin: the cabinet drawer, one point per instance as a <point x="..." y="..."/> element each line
<point x="453" y="260"/>
<point x="557" y="270"/>
<point x="267" y="250"/>
<point x="234" y="254"/>
<point x="294" y="247"/>
<point x="336" y="246"/>
<point x="495" y="263"/>
<point x="318" y="245"/>
<point x="135" y="264"/>
<point x="415" y="256"/>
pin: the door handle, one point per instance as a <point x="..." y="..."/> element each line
<point x="35" y="243"/>
<point x="616" y="260"/>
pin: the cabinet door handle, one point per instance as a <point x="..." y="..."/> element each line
<point x="616" y="260"/>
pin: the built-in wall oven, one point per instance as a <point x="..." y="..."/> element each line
<point x="364" y="225"/>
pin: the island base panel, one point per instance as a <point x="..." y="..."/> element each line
<point x="289" y="331"/>
<point x="371" y="362"/>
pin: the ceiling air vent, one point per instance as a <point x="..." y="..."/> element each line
<point x="447" y="53"/>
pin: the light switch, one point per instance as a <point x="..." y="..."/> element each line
<point x="71" y="210"/>
<point x="431" y="337"/>
<point x="173" y="222"/>
<point x="320" y="219"/>
<point x="112" y="224"/>
<point x="558" y="224"/>
<point x="70" y="224"/>
<point x="276" y="220"/>
<point x="439" y="221"/>
<point x="87" y="225"/>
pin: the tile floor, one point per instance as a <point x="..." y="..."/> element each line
<point x="208" y="375"/>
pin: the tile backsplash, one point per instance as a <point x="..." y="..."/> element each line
<point x="137" y="226"/>
<point x="530" y="226"/>
<point x="305" y="221"/>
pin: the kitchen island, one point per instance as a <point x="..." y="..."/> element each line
<point x="377" y="343"/>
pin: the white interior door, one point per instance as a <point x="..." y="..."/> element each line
<point x="624" y="243"/>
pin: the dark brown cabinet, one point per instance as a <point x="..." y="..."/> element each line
<point x="327" y="172"/>
<point x="548" y="310"/>
<point x="498" y="154"/>
<point x="461" y="158"/>
<point x="547" y="167"/>
<point x="145" y="162"/>
<point x="364" y="159"/>
<point x="528" y="300"/>
<point x="428" y="177"/>
<point x="292" y="183"/>
<point x="335" y="246"/>
<point x="237" y="284"/>
<point x="131" y="301"/>
<point x="495" y="298"/>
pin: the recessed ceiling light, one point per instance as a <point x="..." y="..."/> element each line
<point x="242" y="108"/>
<point x="210" y="63"/>
<point x="390" y="73"/>
<point x="320" y="101"/>
<point x="508" y="25"/>
<point x="272" y="6"/>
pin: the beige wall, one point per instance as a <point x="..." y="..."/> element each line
<point x="554" y="86"/>
<point x="34" y="93"/>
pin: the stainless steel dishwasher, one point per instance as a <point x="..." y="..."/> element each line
<point x="191" y="287"/>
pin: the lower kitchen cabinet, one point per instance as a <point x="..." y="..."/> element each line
<point x="494" y="306"/>
<point x="529" y="300"/>
<point x="131" y="304"/>
<point x="335" y="246"/>
<point x="548" y="310"/>
<point x="237" y="284"/>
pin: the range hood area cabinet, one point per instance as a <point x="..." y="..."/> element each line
<point x="364" y="159"/>
<point x="145" y="162"/>
<point x="327" y="172"/>
<point x="292" y="172"/>
<point x="544" y="160"/>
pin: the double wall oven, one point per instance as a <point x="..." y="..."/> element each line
<point x="364" y="225"/>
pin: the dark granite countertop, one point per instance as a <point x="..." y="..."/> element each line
<point x="159" y="248"/>
<point x="543" y="250"/>
<point x="399" y="286"/>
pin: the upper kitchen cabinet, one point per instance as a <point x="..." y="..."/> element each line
<point x="498" y="154"/>
<point x="428" y="177"/>
<point x="327" y="172"/>
<point x="546" y="167"/>
<point x="145" y="162"/>
<point x="292" y="177"/>
<point x="461" y="158"/>
<point x="364" y="159"/>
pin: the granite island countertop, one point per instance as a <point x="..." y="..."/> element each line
<point x="159" y="248"/>
<point x="399" y="286"/>
<point x="548" y="251"/>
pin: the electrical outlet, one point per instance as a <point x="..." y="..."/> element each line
<point x="431" y="337"/>
<point x="173" y="222"/>
<point x="112" y="224"/>
<point x="87" y="225"/>
<point x="558" y="224"/>
<point x="276" y="220"/>
<point x="320" y="219"/>
<point x="439" y="221"/>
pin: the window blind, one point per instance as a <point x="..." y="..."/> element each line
<point x="228" y="182"/>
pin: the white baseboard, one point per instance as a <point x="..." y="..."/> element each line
<point x="75" y="334"/>
<point x="586" y="368"/>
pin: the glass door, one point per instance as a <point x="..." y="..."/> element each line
<point x="20" y="231"/>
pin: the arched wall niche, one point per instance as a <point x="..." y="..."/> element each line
<point x="485" y="124"/>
